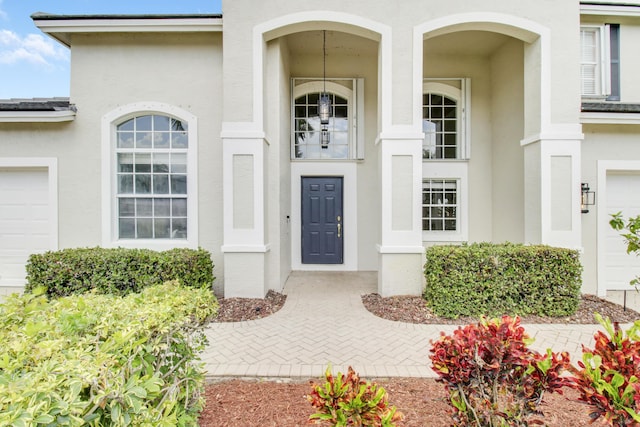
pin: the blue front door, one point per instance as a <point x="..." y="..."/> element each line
<point x="322" y="219"/>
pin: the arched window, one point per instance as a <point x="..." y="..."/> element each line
<point x="339" y="139"/>
<point x="443" y="121"/>
<point x="151" y="170"/>
<point x="308" y="139"/>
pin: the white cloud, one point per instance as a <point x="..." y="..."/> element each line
<point x="33" y="48"/>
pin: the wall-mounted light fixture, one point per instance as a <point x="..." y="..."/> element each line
<point x="588" y="197"/>
<point x="324" y="102"/>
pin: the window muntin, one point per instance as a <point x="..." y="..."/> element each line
<point x="440" y="126"/>
<point x="440" y="205"/>
<point x="151" y="178"/>
<point x="307" y="128"/>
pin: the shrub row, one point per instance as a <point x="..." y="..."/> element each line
<point x="102" y="359"/>
<point x="496" y="279"/>
<point x="116" y="271"/>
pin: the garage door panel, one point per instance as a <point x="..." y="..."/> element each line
<point x="623" y="195"/>
<point x="25" y="226"/>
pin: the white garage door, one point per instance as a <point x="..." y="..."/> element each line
<point x="24" y="220"/>
<point x="623" y="195"/>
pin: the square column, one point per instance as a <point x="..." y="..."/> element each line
<point x="401" y="254"/>
<point x="244" y="180"/>
<point x="552" y="192"/>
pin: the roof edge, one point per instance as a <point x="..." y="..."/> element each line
<point x="60" y="27"/>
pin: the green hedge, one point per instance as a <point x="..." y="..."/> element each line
<point x="496" y="279"/>
<point x="116" y="271"/>
<point x="104" y="360"/>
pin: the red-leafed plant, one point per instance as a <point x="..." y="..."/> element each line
<point x="493" y="378"/>
<point x="346" y="400"/>
<point x="608" y="375"/>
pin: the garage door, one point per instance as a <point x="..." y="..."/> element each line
<point x="623" y="195"/>
<point x="24" y="221"/>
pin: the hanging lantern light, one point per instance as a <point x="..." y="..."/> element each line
<point x="324" y="102"/>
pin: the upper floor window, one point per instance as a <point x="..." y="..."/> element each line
<point x="600" y="61"/>
<point x="340" y="138"/>
<point x="152" y="178"/>
<point x="444" y="119"/>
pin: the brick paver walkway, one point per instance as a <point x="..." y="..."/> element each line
<point x="323" y="321"/>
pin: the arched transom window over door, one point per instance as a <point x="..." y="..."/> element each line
<point x="339" y="139"/>
<point x="309" y="140"/>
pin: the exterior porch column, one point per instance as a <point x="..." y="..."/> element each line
<point x="244" y="179"/>
<point x="400" y="252"/>
<point x="552" y="191"/>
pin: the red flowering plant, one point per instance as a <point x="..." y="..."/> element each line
<point x="607" y="377"/>
<point x="493" y="378"/>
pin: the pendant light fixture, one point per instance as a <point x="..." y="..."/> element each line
<point x="324" y="102"/>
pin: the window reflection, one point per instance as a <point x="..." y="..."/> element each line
<point x="308" y="142"/>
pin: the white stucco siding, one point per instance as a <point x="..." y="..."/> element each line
<point x="110" y="71"/>
<point x="241" y="17"/>
<point x="629" y="62"/>
<point x="616" y="145"/>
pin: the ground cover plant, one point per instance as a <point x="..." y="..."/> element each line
<point x="103" y="360"/>
<point x="116" y="271"/>
<point x="495" y="279"/>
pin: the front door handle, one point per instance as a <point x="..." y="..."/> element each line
<point x="339" y="229"/>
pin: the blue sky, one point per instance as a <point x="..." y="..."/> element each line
<point x="34" y="65"/>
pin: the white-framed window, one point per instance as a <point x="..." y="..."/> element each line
<point x="600" y="61"/>
<point x="151" y="171"/>
<point x="344" y="134"/>
<point x="149" y="177"/>
<point x="440" y="205"/>
<point x="444" y="202"/>
<point x="445" y="119"/>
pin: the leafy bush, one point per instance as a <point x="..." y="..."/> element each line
<point x="116" y="271"/>
<point x="346" y="400"/>
<point x="493" y="379"/>
<point x="103" y="360"/>
<point x="493" y="280"/>
<point x="631" y="236"/>
<point x="607" y="377"/>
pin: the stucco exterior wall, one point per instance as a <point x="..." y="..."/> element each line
<point x="507" y="106"/>
<point x="601" y="142"/>
<point x="112" y="70"/>
<point x="241" y="17"/>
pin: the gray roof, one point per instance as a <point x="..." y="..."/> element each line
<point x="610" y="107"/>
<point x="37" y="104"/>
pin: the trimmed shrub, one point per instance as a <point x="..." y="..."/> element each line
<point x="608" y="377"/>
<point x="498" y="279"/>
<point x="492" y="377"/>
<point x="102" y="359"/>
<point x="116" y="271"/>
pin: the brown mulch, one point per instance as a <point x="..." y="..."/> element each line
<point x="243" y="403"/>
<point x="241" y="309"/>
<point x="247" y="403"/>
<point x="412" y="309"/>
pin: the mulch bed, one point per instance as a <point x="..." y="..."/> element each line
<point x="282" y="403"/>
<point x="244" y="403"/>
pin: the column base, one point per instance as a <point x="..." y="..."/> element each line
<point x="400" y="274"/>
<point x="245" y="275"/>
